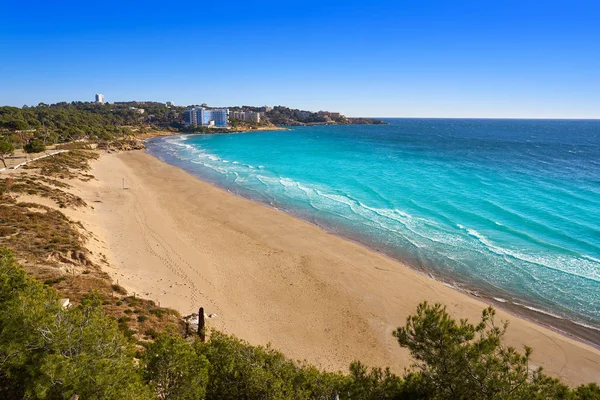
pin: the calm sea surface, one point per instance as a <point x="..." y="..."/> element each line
<point x="509" y="208"/>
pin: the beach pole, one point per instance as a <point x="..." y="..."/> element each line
<point x="123" y="182"/>
<point x="201" y="324"/>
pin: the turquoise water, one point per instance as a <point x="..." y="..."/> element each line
<point x="509" y="208"/>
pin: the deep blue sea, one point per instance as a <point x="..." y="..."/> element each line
<point x="506" y="208"/>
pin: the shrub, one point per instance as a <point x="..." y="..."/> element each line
<point x="174" y="370"/>
<point x="459" y="360"/>
<point x="34" y="146"/>
<point x="54" y="352"/>
<point x="158" y="312"/>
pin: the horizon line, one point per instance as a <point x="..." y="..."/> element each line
<point x="506" y="118"/>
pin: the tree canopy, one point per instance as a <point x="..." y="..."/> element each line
<point x="64" y="122"/>
<point x="7" y="148"/>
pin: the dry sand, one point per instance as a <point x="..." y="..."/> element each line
<point x="270" y="277"/>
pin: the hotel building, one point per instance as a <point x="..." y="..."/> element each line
<point x="204" y="117"/>
<point x="246" y="116"/>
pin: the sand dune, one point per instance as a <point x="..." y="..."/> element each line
<point x="270" y="277"/>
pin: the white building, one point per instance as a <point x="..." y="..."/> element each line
<point x="202" y="116"/>
<point x="138" y="110"/>
<point x="246" y="116"/>
<point x="170" y="104"/>
<point x="99" y="98"/>
<point x="241" y="115"/>
<point x="254" y="116"/>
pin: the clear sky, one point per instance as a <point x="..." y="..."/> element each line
<point x="420" y="58"/>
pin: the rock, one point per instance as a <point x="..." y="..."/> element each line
<point x="64" y="303"/>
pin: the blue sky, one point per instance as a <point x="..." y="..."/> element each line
<point x="496" y="58"/>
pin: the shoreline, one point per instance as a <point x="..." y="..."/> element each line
<point x="259" y="290"/>
<point x="565" y="327"/>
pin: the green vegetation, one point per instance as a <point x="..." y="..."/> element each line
<point x="174" y="370"/>
<point x="459" y="360"/>
<point x="51" y="352"/>
<point x="281" y="115"/>
<point x="71" y="164"/>
<point x="69" y="122"/>
<point x="284" y="116"/>
<point x="249" y="125"/>
<point x="38" y="186"/>
<point x="34" y="146"/>
<point x="7" y="149"/>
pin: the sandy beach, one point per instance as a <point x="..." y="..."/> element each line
<point x="272" y="278"/>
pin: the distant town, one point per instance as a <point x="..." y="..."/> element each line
<point x="204" y="116"/>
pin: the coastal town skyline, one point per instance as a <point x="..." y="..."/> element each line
<point x="467" y="59"/>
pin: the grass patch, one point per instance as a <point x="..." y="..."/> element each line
<point x="54" y="281"/>
<point x="74" y="146"/>
<point x="125" y="144"/>
<point x="68" y="165"/>
<point x="118" y="289"/>
<point x="38" y="186"/>
<point x="41" y="234"/>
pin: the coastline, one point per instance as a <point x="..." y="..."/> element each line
<point x="490" y="295"/>
<point x="271" y="277"/>
<point x="578" y="331"/>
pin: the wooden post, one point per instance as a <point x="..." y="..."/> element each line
<point x="201" y="324"/>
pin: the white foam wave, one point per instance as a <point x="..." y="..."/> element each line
<point x="576" y="266"/>
<point x="539" y="310"/>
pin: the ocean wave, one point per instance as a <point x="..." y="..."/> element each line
<point x="571" y="266"/>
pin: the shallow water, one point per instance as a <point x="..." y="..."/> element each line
<point x="510" y="208"/>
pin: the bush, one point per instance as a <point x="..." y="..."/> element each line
<point x="7" y="148"/>
<point x="459" y="360"/>
<point x="174" y="370"/>
<point x="158" y="312"/>
<point x="240" y="371"/>
<point x="34" y="146"/>
<point x="118" y="289"/>
<point x="52" y="352"/>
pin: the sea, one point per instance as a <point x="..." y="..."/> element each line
<point x="508" y="210"/>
